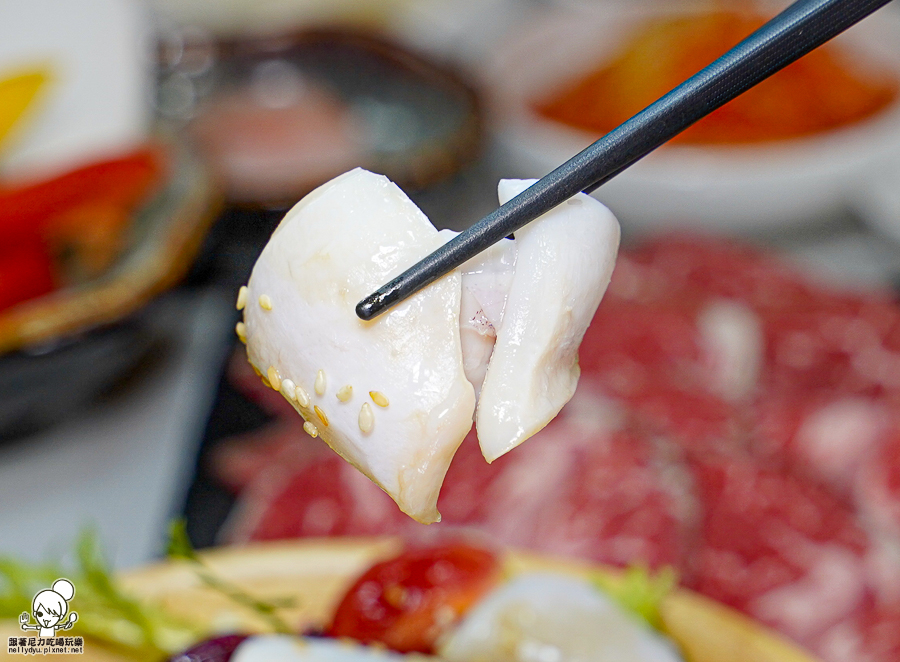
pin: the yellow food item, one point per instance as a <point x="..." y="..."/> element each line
<point x="17" y="94"/>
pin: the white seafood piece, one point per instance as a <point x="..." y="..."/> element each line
<point x="390" y="396"/>
<point x="564" y="262"/>
<point x="287" y="648"/>
<point x="395" y="396"/>
<point x="556" y="618"/>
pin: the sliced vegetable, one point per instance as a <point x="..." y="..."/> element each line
<point x="26" y="271"/>
<point x="73" y="227"/>
<point x="29" y="210"/>
<point x="86" y="239"/>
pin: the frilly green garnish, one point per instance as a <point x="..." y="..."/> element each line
<point x="180" y="548"/>
<point x="639" y="590"/>
<point x="105" y="612"/>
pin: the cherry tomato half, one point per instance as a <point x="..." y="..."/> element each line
<point x="406" y="603"/>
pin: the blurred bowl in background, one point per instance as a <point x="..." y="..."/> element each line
<point x="277" y="116"/>
<point x="60" y="350"/>
<point x="878" y="200"/>
<point x="734" y="187"/>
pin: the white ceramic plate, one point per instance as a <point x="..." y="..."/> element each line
<point x="728" y="188"/>
<point x="97" y="101"/>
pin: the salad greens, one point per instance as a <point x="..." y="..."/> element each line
<point x="639" y="590"/>
<point x="105" y="612"/>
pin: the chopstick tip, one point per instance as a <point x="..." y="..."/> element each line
<point x="370" y="307"/>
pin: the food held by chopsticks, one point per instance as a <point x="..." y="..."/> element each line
<point x="396" y="396"/>
<point x="822" y="91"/>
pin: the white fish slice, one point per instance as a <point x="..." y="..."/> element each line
<point x="393" y="391"/>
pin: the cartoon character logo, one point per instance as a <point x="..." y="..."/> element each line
<point x="49" y="607"/>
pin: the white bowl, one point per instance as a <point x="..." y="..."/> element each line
<point x="737" y="188"/>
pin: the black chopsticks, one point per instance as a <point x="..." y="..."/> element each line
<point x="797" y="30"/>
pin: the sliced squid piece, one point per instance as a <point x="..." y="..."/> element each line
<point x="564" y="261"/>
<point x="287" y="648"/>
<point x="396" y="396"/>
<point x="551" y="617"/>
<point x="390" y="396"/>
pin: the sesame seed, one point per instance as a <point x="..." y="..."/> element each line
<point x="302" y="396"/>
<point x="310" y="429"/>
<point x="366" y="418"/>
<point x="345" y="393"/>
<point x="241" y="330"/>
<point x="379" y="398"/>
<point x="321" y="415"/>
<point x="242" y="298"/>
<point x="320" y="382"/>
<point x="265" y="302"/>
<point x="274" y="378"/>
<point x="288" y="389"/>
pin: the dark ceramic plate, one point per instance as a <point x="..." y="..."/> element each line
<point x="59" y="351"/>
